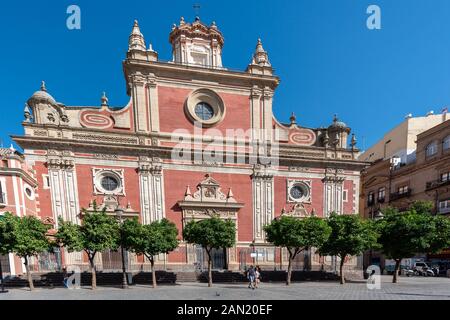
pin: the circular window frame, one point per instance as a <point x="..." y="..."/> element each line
<point x="103" y="174"/>
<point x="33" y="194"/>
<point x="212" y="99"/>
<point x="306" y="198"/>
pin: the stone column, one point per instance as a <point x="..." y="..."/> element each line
<point x="333" y="189"/>
<point x="152" y="95"/>
<point x="71" y="191"/>
<point x="151" y="191"/>
<point x="267" y="113"/>
<point x="140" y="107"/>
<point x="256" y="112"/>
<point x="263" y="203"/>
<point x="64" y="189"/>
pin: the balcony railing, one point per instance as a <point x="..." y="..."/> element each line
<point x="436" y="184"/>
<point x="381" y="200"/>
<point x="397" y="195"/>
<point x="2" y="199"/>
<point x="444" y="210"/>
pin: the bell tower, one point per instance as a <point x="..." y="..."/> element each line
<point x="197" y="44"/>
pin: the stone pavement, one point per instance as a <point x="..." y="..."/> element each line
<point x="414" y="288"/>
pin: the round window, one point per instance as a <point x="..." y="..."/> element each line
<point x="297" y="192"/>
<point x="109" y="183"/>
<point x="205" y="107"/>
<point x="204" y="111"/>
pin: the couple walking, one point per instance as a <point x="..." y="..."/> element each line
<point x="253" y="276"/>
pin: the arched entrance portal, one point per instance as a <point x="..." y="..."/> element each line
<point x="207" y="201"/>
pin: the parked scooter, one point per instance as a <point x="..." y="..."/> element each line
<point x="426" y="272"/>
<point x="409" y="272"/>
<point x="412" y="272"/>
<point x="435" y="270"/>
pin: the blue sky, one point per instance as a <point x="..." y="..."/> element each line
<point x="327" y="59"/>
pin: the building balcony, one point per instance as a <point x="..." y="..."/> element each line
<point x="436" y="184"/>
<point x="444" y="210"/>
<point x="397" y="195"/>
<point x="381" y="200"/>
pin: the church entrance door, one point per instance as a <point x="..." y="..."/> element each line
<point x="218" y="258"/>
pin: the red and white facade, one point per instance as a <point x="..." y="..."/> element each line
<point x="237" y="160"/>
<point x="17" y="195"/>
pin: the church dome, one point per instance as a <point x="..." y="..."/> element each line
<point x="42" y="96"/>
<point x="337" y="125"/>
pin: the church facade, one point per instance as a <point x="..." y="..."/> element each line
<point x="195" y="140"/>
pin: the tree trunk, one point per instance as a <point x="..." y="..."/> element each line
<point x="209" y="269"/>
<point x="341" y="270"/>
<point x="29" y="277"/>
<point x="289" y="273"/>
<point x="397" y="266"/>
<point x="2" y="288"/>
<point x="152" y="262"/>
<point x="93" y="272"/>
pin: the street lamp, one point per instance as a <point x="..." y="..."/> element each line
<point x="1" y="273"/>
<point x="385" y="145"/>
<point x="252" y="245"/>
<point x="378" y="215"/>
<point x="119" y="213"/>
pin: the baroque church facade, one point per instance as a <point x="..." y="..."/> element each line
<point x="195" y="140"/>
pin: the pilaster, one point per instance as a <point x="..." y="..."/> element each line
<point x="263" y="201"/>
<point x="151" y="191"/>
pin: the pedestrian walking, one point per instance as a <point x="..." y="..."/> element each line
<point x="251" y="276"/>
<point x="65" y="277"/>
<point x="257" y="276"/>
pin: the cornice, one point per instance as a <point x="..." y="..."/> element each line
<point x="123" y="146"/>
<point x="19" y="173"/>
<point x="224" y="75"/>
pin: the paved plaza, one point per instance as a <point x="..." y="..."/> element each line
<point x="415" y="288"/>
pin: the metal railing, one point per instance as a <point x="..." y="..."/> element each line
<point x="444" y="210"/>
<point x="436" y="184"/>
<point x="399" y="195"/>
<point x="46" y="262"/>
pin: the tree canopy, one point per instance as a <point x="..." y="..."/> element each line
<point x="350" y="236"/>
<point x="404" y="234"/>
<point x="211" y="233"/>
<point x="296" y="235"/>
<point x="150" y="240"/>
<point x="25" y="236"/>
<point x="97" y="232"/>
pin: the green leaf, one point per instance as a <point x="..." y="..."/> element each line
<point x="211" y="233"/>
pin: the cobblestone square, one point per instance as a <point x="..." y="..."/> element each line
<point x="415" y="288"/>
